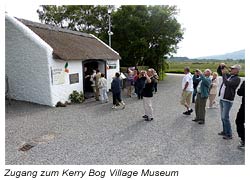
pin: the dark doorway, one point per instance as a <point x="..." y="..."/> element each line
<point x="88" y="67"/>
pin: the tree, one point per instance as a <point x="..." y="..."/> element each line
<point x="142" y="34"/>
<point x="130" y="33"/>
<point x="164" y="32"/>
<point x="84" y="18"/>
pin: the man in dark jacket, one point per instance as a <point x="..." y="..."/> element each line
<point x="196" y="80"/>
<point x="140" y="83"/>
<point x="240" y="119"/>
<point x="227" y="94"/>
<point x="116" y="87"/>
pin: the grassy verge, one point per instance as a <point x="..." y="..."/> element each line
<point x="177" y="67"/>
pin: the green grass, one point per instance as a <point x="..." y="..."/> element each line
<point x="177" y="67"/>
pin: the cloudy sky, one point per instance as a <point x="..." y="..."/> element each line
<point x="211" y="26"/>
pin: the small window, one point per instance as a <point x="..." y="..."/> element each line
<point x="112" y="66"/>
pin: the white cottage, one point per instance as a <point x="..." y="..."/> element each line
<point x="44" y="64"/>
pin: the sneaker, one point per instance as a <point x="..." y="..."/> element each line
<point x="145" y="116"/>
<point x="221" y="133"/>
<point x="241" y="145"/>
<point x="187" y="113"/>
<point x="201" y="122"/>
<point x="149" y="119"/>
<point x="190" y="111"/>
<point x="227" y="137"/>
<point x="123" y="105"/>
<point x="114" y="107"/>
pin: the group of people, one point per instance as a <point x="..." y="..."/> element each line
<point x="98" y="82"/>
<point x="198" y="88"/>
<point x="203" y="86"/>
<point x="135" y="81"/>
<point x="144" y="83"/>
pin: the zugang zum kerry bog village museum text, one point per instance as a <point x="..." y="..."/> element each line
<point x="90" y="173"/>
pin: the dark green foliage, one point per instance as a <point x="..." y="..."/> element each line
<point x="84" y="18"/>
<point x="144" y="34"/>
<point x="76" y="97"/>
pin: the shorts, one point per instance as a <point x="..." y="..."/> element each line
<point x="186" y="97"/>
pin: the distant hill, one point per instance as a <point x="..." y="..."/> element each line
<point x="179" y="59"/>
<point x="233" y="55"/>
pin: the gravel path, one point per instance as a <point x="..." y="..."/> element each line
<point x="92" y="133"/>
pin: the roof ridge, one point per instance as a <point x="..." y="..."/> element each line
<point x="53" y="28"/>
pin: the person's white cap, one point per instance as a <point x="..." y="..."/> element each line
<point x="208" y="70"/>
<point x="236" y="66"/>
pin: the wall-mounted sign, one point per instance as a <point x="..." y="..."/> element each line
<point x="58" y="76"/>
<point x="74" y="78"/>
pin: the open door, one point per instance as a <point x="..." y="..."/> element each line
<point x="88" y="67"/>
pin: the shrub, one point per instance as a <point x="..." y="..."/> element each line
<point x="76" y="97"/>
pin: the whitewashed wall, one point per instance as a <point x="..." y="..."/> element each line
<point x="61" y="92"/>
<point x="27" y="68"/>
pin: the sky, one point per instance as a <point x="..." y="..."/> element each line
<point x="211" y="27"/>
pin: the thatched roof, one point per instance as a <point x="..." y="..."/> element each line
<point x="72" y="45"/>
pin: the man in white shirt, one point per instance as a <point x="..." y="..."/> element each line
<point x="187" y="90"/>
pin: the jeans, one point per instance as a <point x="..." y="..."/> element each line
<point x="104" y="96"/>
<point x="225" y="107"/>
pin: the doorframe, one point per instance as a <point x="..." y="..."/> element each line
<point x="92" y="60"/>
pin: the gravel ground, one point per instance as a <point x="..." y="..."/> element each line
<point x="93" y="133"/>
